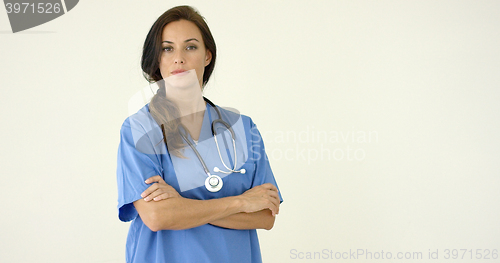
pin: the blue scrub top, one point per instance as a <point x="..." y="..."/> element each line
<point x="143" y="154"/>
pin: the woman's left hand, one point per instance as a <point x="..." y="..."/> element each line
<point x="159" y="190"/>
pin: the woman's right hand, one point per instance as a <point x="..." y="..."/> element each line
<point x="261" y="197"/>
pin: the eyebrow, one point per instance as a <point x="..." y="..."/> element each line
<point x="185" y="41"/>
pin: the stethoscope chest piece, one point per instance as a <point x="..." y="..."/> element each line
<point x="213" y="183"/>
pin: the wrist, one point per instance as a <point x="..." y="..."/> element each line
<point x="235" y="204"/>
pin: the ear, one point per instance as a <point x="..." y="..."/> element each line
<point x="208" y="57"/>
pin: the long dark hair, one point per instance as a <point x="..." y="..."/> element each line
<point x="164" y="111"/>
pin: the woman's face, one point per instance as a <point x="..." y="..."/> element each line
<point x="182" y="50"/>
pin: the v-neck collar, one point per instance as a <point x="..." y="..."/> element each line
<point x="205" y="131"/>
<point x="203" y="145"/>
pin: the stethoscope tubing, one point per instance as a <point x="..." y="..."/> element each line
<point x="214" y="134"/>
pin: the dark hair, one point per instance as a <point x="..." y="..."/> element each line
<point x="164" y="111"/>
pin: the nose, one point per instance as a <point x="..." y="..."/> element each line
<point x="178" y="59"/>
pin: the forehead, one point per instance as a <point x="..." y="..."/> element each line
<point x="181" y="30"/>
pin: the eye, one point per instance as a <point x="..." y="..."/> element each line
<point x="191" y="47"/>
<point x="167" y="49"/>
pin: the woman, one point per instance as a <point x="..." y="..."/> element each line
<point x="182" y="210"/>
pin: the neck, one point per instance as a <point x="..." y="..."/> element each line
<point x="190" y="106"/>
<point x="187" y="97"/>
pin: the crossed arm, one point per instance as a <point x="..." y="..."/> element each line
<point x="163" y="208"/>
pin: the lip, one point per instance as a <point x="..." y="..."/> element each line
<point x="178" y="71"/>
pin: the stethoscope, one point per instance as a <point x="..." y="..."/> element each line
<point x="213" y="182"/>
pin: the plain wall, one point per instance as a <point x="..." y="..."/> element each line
<point x="380" y="119"/>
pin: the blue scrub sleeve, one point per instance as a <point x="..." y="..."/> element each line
<point x="133" y="168"/>
<point x="263" y="172"/>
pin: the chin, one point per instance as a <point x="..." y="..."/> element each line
<point x="182" y="81"/>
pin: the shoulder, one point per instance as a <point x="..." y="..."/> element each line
<point x="241" y="123"/>
<point x="232" y="116"/>
<point x="140" y="121"/>
<point x="142" y="131"/>
<point x="139" y="125"/>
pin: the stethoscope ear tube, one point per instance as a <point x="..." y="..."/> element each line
<point x="197" y="154"/>
<point x="214" y="131"/>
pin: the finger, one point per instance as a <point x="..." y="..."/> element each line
<point x="270" y="186"/>
<point x="163" y="196"/>
<point x="150" y="189"/>
<point x="273" y="208"/>
<point x="154" y="179"/>
<point x="274" y="195"/>
<point x="276" y="203"/>
<point x="154" y="194"/>
<point x="274" y="198"/>
<point x="271" y="205"/>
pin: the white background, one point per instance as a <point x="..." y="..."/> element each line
<point x="421" y="77"/>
